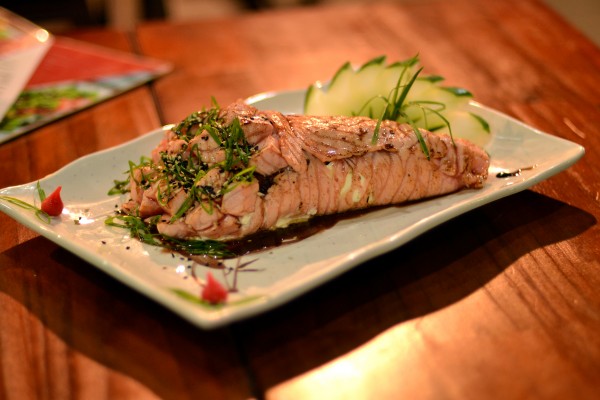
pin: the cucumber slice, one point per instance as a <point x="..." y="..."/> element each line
<point x="374" y="87"/>
<point x="467" y="125"/>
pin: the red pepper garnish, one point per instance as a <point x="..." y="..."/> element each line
<point x="53" y="204"/>
<point x="213" y="291"/>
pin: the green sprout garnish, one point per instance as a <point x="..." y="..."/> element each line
<point x="396" y="105"/>
<point x="145" y="232"/>
<point x="174" y="173"/>
<point x="41" y="215"/>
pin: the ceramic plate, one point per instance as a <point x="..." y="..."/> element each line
<point x="285" y="272"/>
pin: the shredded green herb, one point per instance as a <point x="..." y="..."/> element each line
<point x="178" y="173"/>
<point x="396" y="104"/>
<point x="120" y="187"/>
<point x="174" y="173"/>
<point x="146" y="232"/>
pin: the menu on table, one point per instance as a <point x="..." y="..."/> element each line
<point x="45" y="77"/>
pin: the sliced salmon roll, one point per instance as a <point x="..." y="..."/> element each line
<point x="228" y="173"/>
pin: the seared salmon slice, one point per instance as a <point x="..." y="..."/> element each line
<point x="227" y="173"/>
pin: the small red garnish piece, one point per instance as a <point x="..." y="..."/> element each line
<point x="213" y="291"/>
<point x="53" y="204"/>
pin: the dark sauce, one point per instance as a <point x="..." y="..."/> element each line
<point x="266" y="240"/>
<point x="509" y="174"/>
<point x="504" y="174"/>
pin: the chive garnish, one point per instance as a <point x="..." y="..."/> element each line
<point x="145" y="231"/>
<point x="41" y="215"/>
<point x="175" y="173"/>
<point x="396" y="107"/>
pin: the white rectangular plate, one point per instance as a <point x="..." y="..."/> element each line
<point x="283" y="273"/>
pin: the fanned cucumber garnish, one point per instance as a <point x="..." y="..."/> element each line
<point x="399" y="92"/>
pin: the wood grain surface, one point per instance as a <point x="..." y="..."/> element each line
<point x="499" y="303"/>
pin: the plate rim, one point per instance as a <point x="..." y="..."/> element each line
<point x="219" y="318"/>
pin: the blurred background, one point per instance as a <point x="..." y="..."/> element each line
<point x="61" y="15"/>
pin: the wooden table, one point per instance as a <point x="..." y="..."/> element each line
<point x="499" y="303"/>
